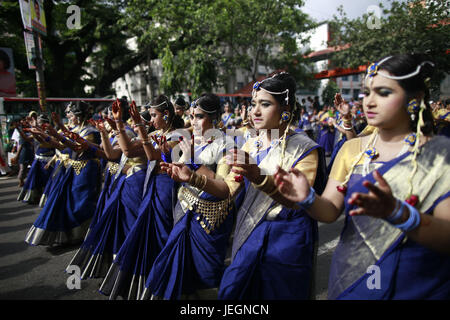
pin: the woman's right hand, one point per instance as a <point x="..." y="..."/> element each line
<point x="56" y="119"/>
<point x="293" y="185"/>
<point x="111" y="123"/>
<point x="117" y="110"/>
<point x="49" y="129"/>
<point x="177" y="171"/>
<point x="135" y="115"/>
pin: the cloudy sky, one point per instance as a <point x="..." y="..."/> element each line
<point x="325" y="9"/>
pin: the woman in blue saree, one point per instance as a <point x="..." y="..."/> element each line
<point x="120" y="209"/>
<point x="327" y="133"/>
<point x="70" y="205"/>
<point x="272" y="251"/>
<point x="131" y="266"/>
<point x="191" y="263"/>
<point x="39" y="174"/>
<point x="396" y="240"/>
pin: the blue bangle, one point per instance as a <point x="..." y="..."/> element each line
<point x="397" y="213"/>
<point x="64" y="139"/>
<point x="307" y="203"/>
<point x="47" y="139"/>
<point x="413" y="220"/>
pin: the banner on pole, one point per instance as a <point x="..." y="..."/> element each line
<point x="38" y="22"/>
<point x="7" y="76"/>
<point x="26" y="14"/>
<point x="31" y="50"/>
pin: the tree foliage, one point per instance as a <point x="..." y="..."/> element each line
<point x="94" y="55"/>
<point x="202" y="43"/>
<point x="329" y="92"/>
<point x="405" y="27"/>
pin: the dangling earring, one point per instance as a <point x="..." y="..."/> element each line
<point x="286" y="116"/>
<point x="165" y="117"/>
<point x="412" y="108"/>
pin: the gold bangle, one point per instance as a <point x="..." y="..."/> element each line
<point x="273" y="192"/>
<point x="203" y="182"/>
<point x="269" y="185"/>
<point x="191" y="178"/>
<point x="258" y="186"/>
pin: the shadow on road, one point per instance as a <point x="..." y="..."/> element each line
<point x="21" y="268"/>
<point x="19" y="227"/>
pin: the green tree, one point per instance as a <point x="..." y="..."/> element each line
<point x="329" y="92"/>
<point x="202" y="43"/>
<point x="94" y="55"/>
<point x="405" y="27"/>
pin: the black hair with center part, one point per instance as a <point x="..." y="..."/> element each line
<point x="281" y="82"/>
<point x="403" y="64"/>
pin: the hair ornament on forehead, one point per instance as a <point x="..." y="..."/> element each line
<point x="257" y="86"/>
<point x="195" y="104"/>
<point x="372" y="70"/>
<point x="160" y="105"/>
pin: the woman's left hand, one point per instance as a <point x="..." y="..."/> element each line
<point x="243" y="164"/>
<point x="378" y="203"/>
<point x="162" y="143"/>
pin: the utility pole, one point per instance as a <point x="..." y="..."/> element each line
<point x="40" y="81"/>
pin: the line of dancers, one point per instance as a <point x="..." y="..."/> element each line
<point x="215" y="212"/>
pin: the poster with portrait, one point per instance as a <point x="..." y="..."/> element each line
<point x="38" y="22"/>
<point x="26" y="14"/>
<point x="7" y="75"/>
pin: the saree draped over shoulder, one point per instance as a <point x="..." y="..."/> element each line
<point x="371" y="247"/>
<point x="273" y="246"/>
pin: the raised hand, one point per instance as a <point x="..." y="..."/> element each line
<point x="187" y="147"/>
<point x="162" y="143"/>
<point x="177" y="171"/>
<point x="47" y="127"/>
<point x="379" y="202"/>
<point x="135" y="115"/>
<point x="117" y="110"/>
<point x="92" y="122"/>
<point x="293" y="185"/>
<point x="338" y="100"/>
<point x="56" y="118"/>
<point x="100" y="126"/>
<point x="111" y="123"/>
<point x="243" y="165"/>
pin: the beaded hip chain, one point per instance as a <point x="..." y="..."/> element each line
<point x="211" y="213"/>
<point x="77" y="165"/>
<point x="113" y="167"/>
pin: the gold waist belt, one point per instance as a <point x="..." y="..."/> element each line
<point x="113" y="167"/>
<point x="211" y="213"/>
<point x="77" y="165"/>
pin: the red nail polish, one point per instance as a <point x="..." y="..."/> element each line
<point x="342" y="189"/>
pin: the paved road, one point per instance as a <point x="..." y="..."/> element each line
<point x="28" y="272"/>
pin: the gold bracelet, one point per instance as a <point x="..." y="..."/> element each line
<point x="274" y="191"/>
<point x="191" y="178"/>
<point x="203" y="182"/>
<point x="258" y="186"/>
